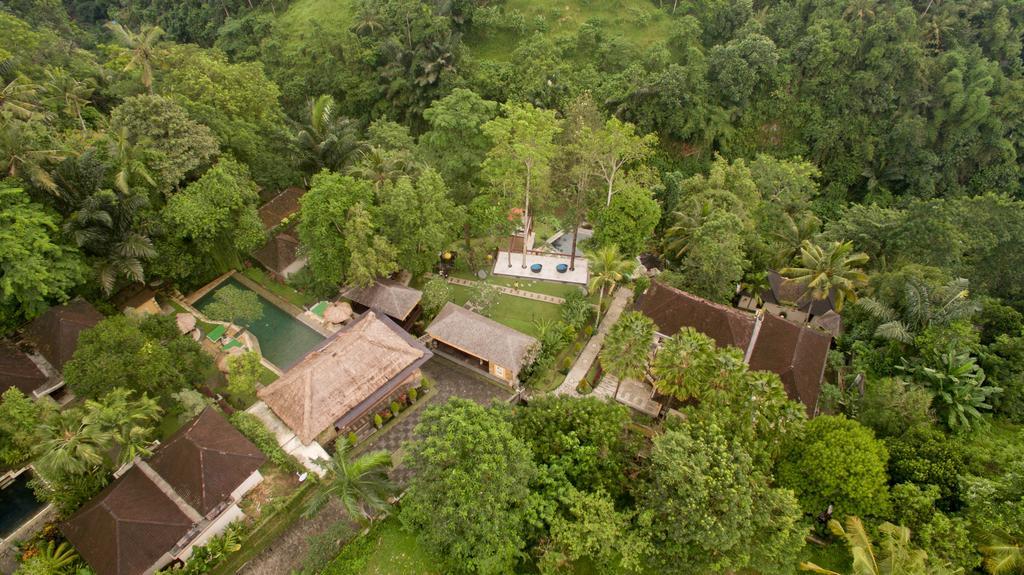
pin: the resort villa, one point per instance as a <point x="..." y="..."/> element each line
<point x="481" y="342"/>
<point x="280" y="255"/>
<point x="398" y="301"/>
<point x="339" y="385"/>
<point x="159" y="509"/>
<point x="794" y="351"/>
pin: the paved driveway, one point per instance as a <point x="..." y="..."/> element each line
<point x="451" y="380"/>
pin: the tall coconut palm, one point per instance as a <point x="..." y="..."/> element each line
<point x="361" y="485"/>
<point x="24" y="151"/>
<point x="921" y="307"/>
<point x="627" y="347"/>
<point x="1002" y="558"/>
<point x="143" y="49"/>
<point x="328" y="139"/>
<point x="67" y="93"/>
<point x="893" y="554"/>
<point x="793" y="232"/>
<point x="381" y="166"/>
<point x="128" y="159"/>
<point x="607" y="269"/>
<point x="18" y="97"/>
<point x="131" y="422"/>
<point x="833" y="269"/>
<point x="685" y="223"/>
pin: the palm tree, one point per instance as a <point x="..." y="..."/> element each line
<point x="893" y="554"/>
<point x="143" y="49"/>
<point x="1002" y="558"/>
<point x="127" y="156"/>
<point x="921" y="307"/>
<point x="328" y="139"/>
<point x="834" y="269"/>
<point x="18" y="98"/>
<point x="685" y="223"/>
<point x="71" y="445"/>
<point x="380" y="166"/>
<point x="627" y="347"/>
<point x="367" y="22"/>
<point x="361" y="486"/>
<point x="67" y="93"/>
<point x="131" y="422"/>
<point x="793" y="233"/>
<point x="958" y="388"/>
<point x="861" y="9"/>
<point x="685" y="365"/>
<point x="22" y="152"/>
<point x="607" y="269"/>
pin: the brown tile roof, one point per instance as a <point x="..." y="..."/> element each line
<point x="128" y="527"/>
<point x="206" y="460"/>
<point x="280" y="207"/>
<point x="55" y="333"/>
<point x="482" y="337"/>
<point x="18" y="370"/>
<point x="133" y="523"/>
<point x="672" y="309"/>
<point x="388" y="296"/>
<point x="797" y="353"/>
<point x="344" y="376"/>
<point x="280" y="251"/>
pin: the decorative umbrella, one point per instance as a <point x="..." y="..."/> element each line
<point x="338" y="312"/>
<point x="186" y="322"/>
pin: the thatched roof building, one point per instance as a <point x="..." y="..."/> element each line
<point x="55" y="333"/>
<point x="504" y="350"/>
<point x="154" y="512"/>
<point x="346" y="376"/>
<point x="397" y="301"/>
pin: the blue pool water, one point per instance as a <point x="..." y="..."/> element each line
<point x="283" y="339"/>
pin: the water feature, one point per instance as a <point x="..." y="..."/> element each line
<point x="17" y="504"/>
<point x="283" y="338"/>
<point x="563" y="243"/>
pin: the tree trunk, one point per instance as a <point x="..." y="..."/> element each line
<point x="511" y="241"/>
<point x="526" y="215"/>
<point x="611" y="180"/>
<point x="600" y="301"/>
<point x="572" y="253"/>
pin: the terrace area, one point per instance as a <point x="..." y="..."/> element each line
<point x="548" y="263"/>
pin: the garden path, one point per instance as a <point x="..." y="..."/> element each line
<point x="589" y="355"/>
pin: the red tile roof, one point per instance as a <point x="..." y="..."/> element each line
<point x="18" y="370"/>
<point x="55" y="333"/>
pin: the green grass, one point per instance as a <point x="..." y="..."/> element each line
<point x="279" y="289"/>
<point x="638" y="22"/>
<point x="300" y="17"/>
<point x="515" y="312"/>
<point x="385" y="550"/>
<point x="834" y="556"/>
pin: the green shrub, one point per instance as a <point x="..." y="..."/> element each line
<point x="253" y="429"/>
<point x="427" y="383"/>
<point x="395" y="408"/>
<point x="378" y="421"/>
<point x="352" y="438"/>
<point x="412" y="395"/>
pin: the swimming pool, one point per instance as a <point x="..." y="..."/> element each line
<point x="283" y="339"/>
<point x="18" y="504"/>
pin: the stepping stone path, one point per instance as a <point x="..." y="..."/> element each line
<point x="512" y="291"/>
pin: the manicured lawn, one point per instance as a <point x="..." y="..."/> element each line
<point x="515" y="312"/>
<point x="279" y="289"/>
<point x="555" y="289"/>
<point x="385" y="550"/>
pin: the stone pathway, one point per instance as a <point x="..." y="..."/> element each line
<point x="512" y="291"/>
<point x="287" y="552"/>
<point x="589" y="355"/>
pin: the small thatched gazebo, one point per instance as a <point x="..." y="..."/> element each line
<point x="186" y="322"/>
<point x="496" y="348"/>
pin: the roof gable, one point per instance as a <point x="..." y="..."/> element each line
<point x="128" y="527"/>
<point x="280" y="251"/>
<point x="385" y="295"/>
<point x="672" y="309"/>
<point x="280" y="207"/>
<point x="348" y="371"/>
<point x="18" y="370"/>
<point x="55" y="333"/>
<point x="206" y="460"/>
<point x="797" y="353"/>
<point x="482" y="337"/>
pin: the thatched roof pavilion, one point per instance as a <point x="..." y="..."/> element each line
<point x="344" y="378"/>
<point x="503" y="349"/>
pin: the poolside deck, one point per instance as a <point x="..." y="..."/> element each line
<point x="580" y="275"/>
